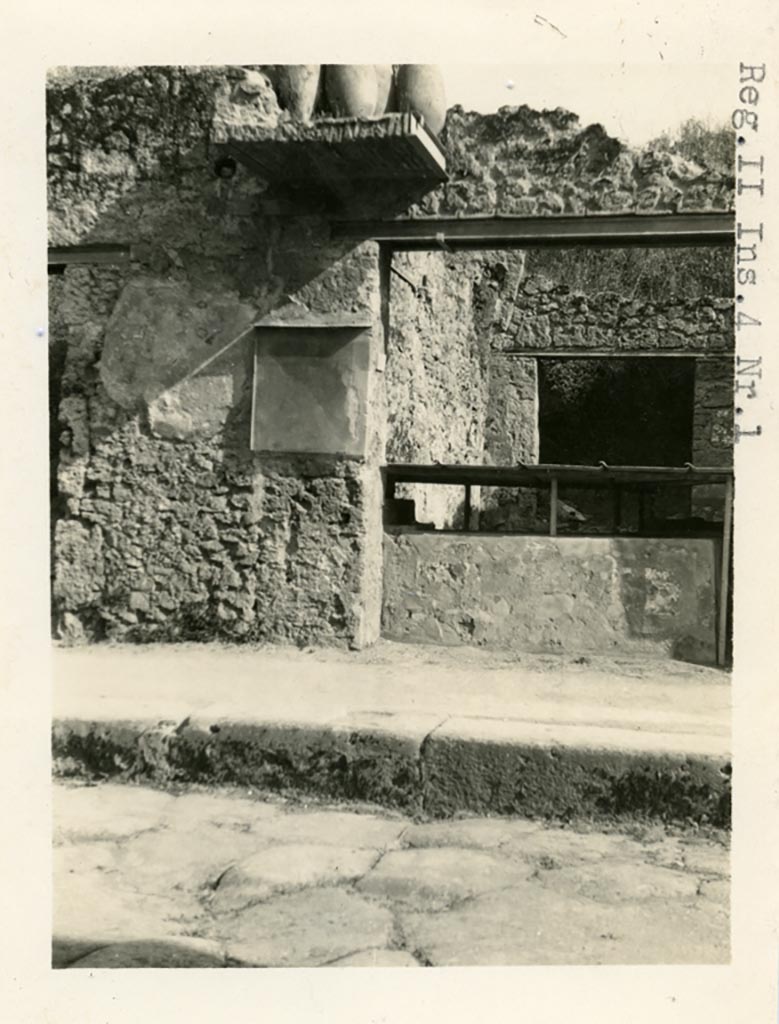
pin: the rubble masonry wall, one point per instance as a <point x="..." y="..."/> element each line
<point x="167" y="526"/>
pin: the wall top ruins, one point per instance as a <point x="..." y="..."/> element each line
<point x="114" y="131"/>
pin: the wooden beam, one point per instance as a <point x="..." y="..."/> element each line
<point x="724" y="583"/>
<point x="505" y="232"/>
<point x="553" y="507"/>
<point x="576" y="476"/>
<point x="306" y="320"/>
<point x="66" y="255"/>
<point x="428" y="146"/>
<point x="335" y="155"/>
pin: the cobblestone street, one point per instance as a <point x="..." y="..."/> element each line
<point x="145" y="878"/>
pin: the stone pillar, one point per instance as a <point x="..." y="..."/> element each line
<point x="712" y="439"/>
<point x="511" y="436"/>
<point x="172" y="528"/>
<point x="436" y="379"/>
<point x="320" y="574"/>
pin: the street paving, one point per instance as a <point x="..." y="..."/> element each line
<point x="149" y="878"/>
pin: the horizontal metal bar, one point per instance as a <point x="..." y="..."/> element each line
<point x="583" y="476"/>
<point x="501" y="232"/>
<point x="70" y="254"/>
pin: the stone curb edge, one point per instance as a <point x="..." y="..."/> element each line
<point x="423" y="765"/>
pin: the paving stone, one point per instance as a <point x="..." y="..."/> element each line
<point x="436" y="877"/>
<point x="481" y="833"/>
<point x="168" y="953"/>
<point x="334" y="828"/>
<point x="108" y="811"/>
<point x="306" y="929"/>
<point x="83" y="858"/>
<point x="618" y="882"/>
<point x="288" y="867"/>
<point x="711" y="859"/>
<point x="648" y="832"/>
<point x="533" y="925"/>
<point x="666" y="852"/>
<point x="93" y="909"/>
<point x="377" y="958"/>
<point x="563" y="845"/>
<point x="65" y="951"/>
<point x="717" y="890"/>
<point x="159" y="862"/>
<point x="191" y="811"/>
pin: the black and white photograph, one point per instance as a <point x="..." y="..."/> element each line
<point x="410" y="427"/>
<point x="392" y="492"/>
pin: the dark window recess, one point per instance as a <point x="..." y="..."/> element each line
<point x="630" y="412"/>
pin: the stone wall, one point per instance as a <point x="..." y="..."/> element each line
<point x="530" y="162"/>
<point x="436" y="360"/>
<point x="556" y="594"/>
<point x="520" y="161"/>
<point x="167" y="525"/>
<point x="713" y="431"/>
<point x="171" y="528"/>
<point x="450" y="397"/>
<point x="636" y="301"/>
<point x="438" y="368"/>
<point x="549" y="316"/>
<point x="462" y="381"/>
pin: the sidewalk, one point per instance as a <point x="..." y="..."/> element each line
<point x="425" y="729"/>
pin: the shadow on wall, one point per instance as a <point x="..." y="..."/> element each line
<point x="169" y="526"/>
<point x="172" y="528"/>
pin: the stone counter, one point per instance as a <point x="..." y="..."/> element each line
<point x="557" y="594"/>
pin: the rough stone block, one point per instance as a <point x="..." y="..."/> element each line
<point x="529" y="924"/>
<point x="306" y="929"/>
<point x="80" y="565"/>
<point x="478" y="833"/>
<point x="619" y="882"/>
<point x="288" y="867"/>
<point x="541" y="771"/>
<point x="434" y="878"/>
<point x="339" y="760"/>
<point x="97" y="748"/>
<point x="160" y="953"/>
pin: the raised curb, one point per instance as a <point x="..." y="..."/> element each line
<point x="435" y="766"/>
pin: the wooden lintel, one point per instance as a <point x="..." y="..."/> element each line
<point x="505" y="232"/>
<point x="314" y="321"/>
<point x="578" y="476"/>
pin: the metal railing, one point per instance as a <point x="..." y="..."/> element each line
<point x="616" y="478"/>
